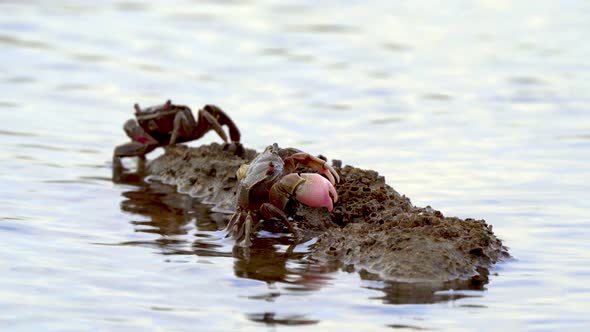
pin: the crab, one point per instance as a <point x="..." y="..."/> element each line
<point x="269" y="182"/>
<point x="169" y="124"/>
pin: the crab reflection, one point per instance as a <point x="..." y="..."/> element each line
<point x="186" y="227"/>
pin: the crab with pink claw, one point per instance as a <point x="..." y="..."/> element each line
<point x="268" y="183"/>
<point x="169" y="124"/>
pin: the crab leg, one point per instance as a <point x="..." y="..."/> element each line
<point x="212" y="123"/>
<point x="137" y="134"/>
<point x="133" y="149"/>
<point x="223" y="119"/>
<point x="269" y="211"/>
<point x="181" y="121"/>
<point x="238" y="232"/>
<point x="232" y="221"/>
<point x="248" y="232"/>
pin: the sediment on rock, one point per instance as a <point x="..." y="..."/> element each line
<point x="372" y="227"/>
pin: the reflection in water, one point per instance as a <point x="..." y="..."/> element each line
<point x="169" y="213"/>
<point x="426" y="293"/>
<point x="187" y="227"/>
<point x="270" y="318"/>
<point x="174" y="216"/>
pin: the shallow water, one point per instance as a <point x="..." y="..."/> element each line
<point x="479" y="109"/>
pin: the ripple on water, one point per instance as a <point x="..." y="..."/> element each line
<point x="19" y="79"/>
<point x="397" y="47"/>
<point x="24" y="43"/>
<point x="132" y="6"/>
<point x="340" y="29"/>
<point x="16" y="133"/>
<point x="44" y="147"/>
<point x="14" y="225"/>
<point x="526" y="80"/>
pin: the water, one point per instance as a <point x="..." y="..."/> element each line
<point x="478" y="108"/>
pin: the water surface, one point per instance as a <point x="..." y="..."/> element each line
<point x="478" y="108"/>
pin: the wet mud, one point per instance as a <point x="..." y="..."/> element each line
<point x="373" y="229"/>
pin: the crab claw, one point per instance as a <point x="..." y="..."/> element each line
<point x="331" y="174"/>
<point x="316" y="191"/>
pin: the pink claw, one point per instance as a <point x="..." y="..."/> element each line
<point x="316" y="191"/>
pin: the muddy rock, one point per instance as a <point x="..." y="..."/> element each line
<point x="372" y="228"/>
<point x="207" y="172"/>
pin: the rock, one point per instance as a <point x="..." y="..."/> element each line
<point x="372" y="227"/>
<point x="207" y="172"/>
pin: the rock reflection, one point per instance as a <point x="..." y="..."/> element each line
<point x="407" y="327"/>
<point x="169" y="213"/>
<point x="428" y="292"/>
<point x="270" y="318"/>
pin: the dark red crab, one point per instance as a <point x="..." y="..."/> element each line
<point x="268" y="183"/>
<point x="169" y="124"/>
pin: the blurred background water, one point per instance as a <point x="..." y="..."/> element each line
<point x="477" y="108"/>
